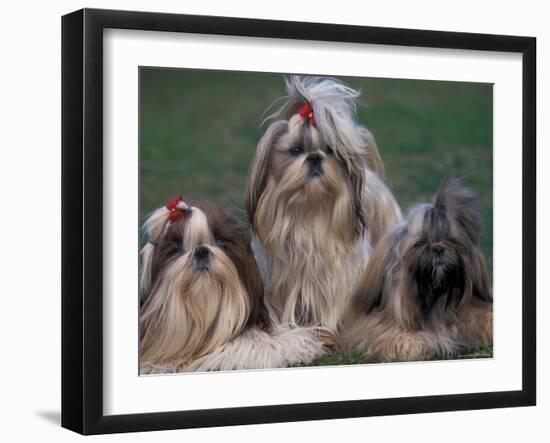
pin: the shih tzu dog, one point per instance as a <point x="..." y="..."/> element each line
<point x="316" y="201"/>
<point x="202" y="298"/>
<point x="426" y="290"/>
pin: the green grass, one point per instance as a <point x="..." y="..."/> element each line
<point x="199" y="129"/>
<point x="356" y="358"/>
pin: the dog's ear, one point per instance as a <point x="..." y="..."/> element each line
<point x="373" y="158"/>
<point x="460" y="204"/>
<point x="257" y="177"/>
<point x="410" y="312"/>
<point x="250" y="276"/>
<point x="369" y="294"/>
<point x="253" y="281"/>
<point x="481" y="288"/>
<point x="357" y="180"/>
<point x="154" y="227"/>
<point x="145" y="271"/>
<point x="239" y="250"/>
<point x="382" y="211"/>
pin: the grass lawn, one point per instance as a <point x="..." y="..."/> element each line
<point x="199" y="129"/>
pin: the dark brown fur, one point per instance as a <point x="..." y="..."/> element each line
<point x="426" y="290"/>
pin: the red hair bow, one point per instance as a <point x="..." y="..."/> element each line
<point x="306" y="112"/>
<point x="175" y="212"/>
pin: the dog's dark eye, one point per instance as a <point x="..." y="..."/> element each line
<point x="296" y="150"/>
<point x="330" y="151"/>
<point x="221" y="244"/>
<point x="419" y="243"/>
<point x="171" y="247"/>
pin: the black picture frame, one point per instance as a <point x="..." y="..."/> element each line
<point x="82" y="220"/>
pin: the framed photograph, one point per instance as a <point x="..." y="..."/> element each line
<point x="269" y="221"/>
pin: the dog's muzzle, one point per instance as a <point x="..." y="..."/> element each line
<point x="315" y="162"/>
<point x="201" y="258"/>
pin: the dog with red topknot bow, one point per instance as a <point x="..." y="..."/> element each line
<point x="316" y="201"/>
<point x="202" y="298"/>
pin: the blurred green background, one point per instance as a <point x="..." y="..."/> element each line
<point x="199" y="130"/>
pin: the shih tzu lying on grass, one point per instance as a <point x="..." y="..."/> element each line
<point x="426" y="291"/>
<point x="202" y="298"/>
<point x="316" y="202"/>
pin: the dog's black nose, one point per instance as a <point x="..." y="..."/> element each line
<point x="314" y="159"/>
<point x="438" y="250"/>
<point x="201" y="257"/>
<point x="202" y="252"/>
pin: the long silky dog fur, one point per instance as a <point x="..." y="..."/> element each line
<point x="317" y="201"/>
<point x="203" y="306"/>
<point x="425" y="293"/>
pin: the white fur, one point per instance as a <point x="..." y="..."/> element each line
<point x="256" y="349"/>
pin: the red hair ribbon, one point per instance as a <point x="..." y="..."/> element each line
<point x="306" y="112"/>
<point x="175" y="212"/>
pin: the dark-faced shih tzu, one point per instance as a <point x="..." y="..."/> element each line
<point x="316" y="201"/>
<point x="202" y="298"/>
<point x="426" y="291"/>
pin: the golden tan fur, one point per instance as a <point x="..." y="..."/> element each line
<point x="180" y="325"/>
<point x="203" y="305"/>
<point x="177" y="324"/>
<point x="315" y="206"/>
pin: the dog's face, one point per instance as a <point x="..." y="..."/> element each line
<point x="199" y="281"/>
<point x="435" y="257"/>
<point x="310" y="162"/>
<point x="306" y="168"/>
<point x="304" y="179"/>
<point x="441" y="254"/>
<point x="298" y="175"/>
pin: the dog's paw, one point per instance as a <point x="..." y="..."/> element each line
<point x="409" y="347"/>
